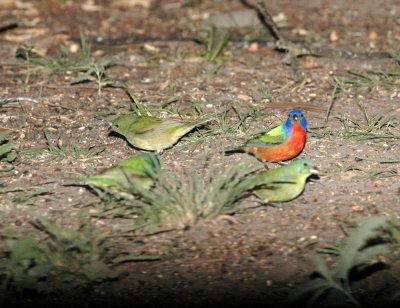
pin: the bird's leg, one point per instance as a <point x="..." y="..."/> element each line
<point x="265" y="163"/>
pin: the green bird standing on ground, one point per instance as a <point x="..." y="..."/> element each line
<point x="153" y="134"/>
<point x="140" y="170"/>
<point x="283" y="183"/>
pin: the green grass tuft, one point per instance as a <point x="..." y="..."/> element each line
<point x="215" y="41"/>
<point x="181" y="200"/>
<point x="8" y="150"/>
<point x="91" y="69"/>
<point x="58" y="259"/>
<point x="372" y="239"/>
<point x="56" y="151"/>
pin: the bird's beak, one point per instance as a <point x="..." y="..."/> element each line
<point x="314" y="171"/>
<point x="295" y="118"/>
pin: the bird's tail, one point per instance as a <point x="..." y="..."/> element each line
<point x="203" y="121"/>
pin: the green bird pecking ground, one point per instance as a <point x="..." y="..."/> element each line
<point x="140" y="170"/>
<point x="281" y="184"/>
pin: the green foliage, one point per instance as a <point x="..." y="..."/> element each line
<point x="215" y="41"/>
<point x="360" y="249"/>
<point x="225" y="125"/>
<point x="265" y="93"/>
<point x="26" y="197"/>
<point x="58" y="259"/>
<point x="373" y="127"/>
<point x="63" y="260"/>
<point x="136" y="105"/>
<point x="97" y="72"/>
<point x="8" y="150"/>
<point x="64" y="62"/>
<point x="92" y="69"/>
<point x="371" y="79"/>
<point x="191" y="198"/>
<point x="376" y="127"/>
<point x="55" y="151"/>
<point x="182" y="200"/>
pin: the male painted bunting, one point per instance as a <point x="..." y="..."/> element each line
<point x="140" y="170"/>
<point x="283" y="183"/>
<point x="152" y="134"/>
<point x="283" y="142"/>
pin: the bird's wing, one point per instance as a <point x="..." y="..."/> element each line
<point x="273" y="185"/>
<point x="144" y="124"/>
<point x="141" y="163"/>
<point x="274" y="136"/>
<point x="258" y="142"/>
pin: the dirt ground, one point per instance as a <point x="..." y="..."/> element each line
<point x="256" y="259"/>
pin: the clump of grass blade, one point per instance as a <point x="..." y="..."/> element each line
<point x="91" y="69"/>
<point x="191" y="198"/>
<point x="375" y="127"/>
<point x="181" y="200"/>
<point x="59" y="260"/>
<point x="361" y="249"/>
<point x="8" y="149"/>
<point x="56" y="151"/>
<point x="215" y="41"/>
<point x="64" y="62"/>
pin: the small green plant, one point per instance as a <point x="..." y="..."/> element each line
<point x="97" y="72"/>
<point x="12" y="101"/>
<point x="373" y="79"/>
<point x="92" y="69"/>
<point x="56" y="151"/>
<point x="8" y="150"/>
<point x="26" y="195"/>
<point x="137" y="106"/>
<point x="361" y="249"/>
<point x="265" y="93"/>
<point x="225" y="125"/>
<point x="177" y="55"/>
<point x="215" y="41"/>
<point x="58" y="259"/>
<point x="375" y="127"/>
<point x="64" y="62"/>
<point x="190" y="198"/>
<point x="62" y="260"/>
<point x="184" y="199"/>
<point x="170" y="96"/>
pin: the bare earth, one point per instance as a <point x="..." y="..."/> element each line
<point x="256" y="257"/>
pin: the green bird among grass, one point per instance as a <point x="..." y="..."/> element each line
<point x="281" y="184"/>
<point x="153" y="134"/>
<point x="140" y="170"/>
